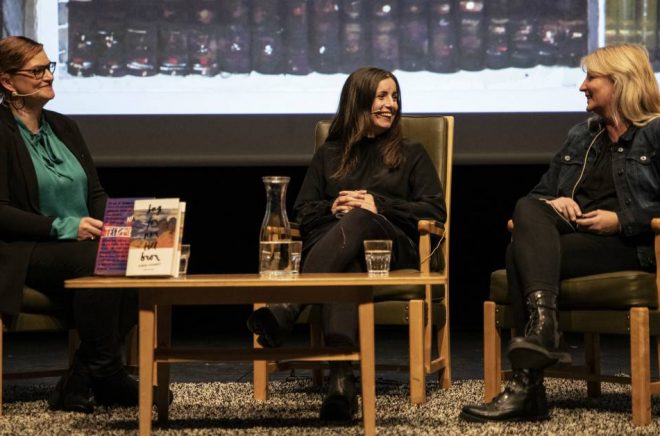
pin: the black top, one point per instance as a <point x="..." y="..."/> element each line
<point x="404" y="195"/>
<point x="597" y="190"/>
<point x="21" y="223"/>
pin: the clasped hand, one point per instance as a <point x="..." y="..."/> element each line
<point x="89" y="228"/>
<point x="602" y="222"/>
<point x="349" y="200"/>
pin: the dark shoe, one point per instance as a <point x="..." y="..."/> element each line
<point x="117" y="390"/>
<point x="340" y="403"/>
<point x="542" y="345"/>
<point x="523" y="400"/>
<point x="73" y="391"/>
<point x="273" y="324"/>
<point x="120" y="390"/>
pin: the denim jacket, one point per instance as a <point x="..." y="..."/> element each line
<point x="636" y="172"/>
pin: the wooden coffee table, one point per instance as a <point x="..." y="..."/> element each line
<point x="158" y="295"/>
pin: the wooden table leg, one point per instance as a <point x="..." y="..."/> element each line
<point x="367" y="367"/>
<point x="146" y="326"/>
<point x="163" y="339"/>
<point x="260" y="369"/>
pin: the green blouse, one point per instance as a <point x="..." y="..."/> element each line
<point x="61" y="179"/>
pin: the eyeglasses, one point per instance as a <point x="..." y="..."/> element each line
<point x="39" y="71"/>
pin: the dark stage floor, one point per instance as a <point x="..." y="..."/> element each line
<point x="41" y="351"/>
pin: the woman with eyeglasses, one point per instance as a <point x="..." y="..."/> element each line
<point x="51" y="206"/>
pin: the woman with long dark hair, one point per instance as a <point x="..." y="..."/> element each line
<point x="365" y="182"/>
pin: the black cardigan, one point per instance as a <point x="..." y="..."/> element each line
<point x="21" y="223"/>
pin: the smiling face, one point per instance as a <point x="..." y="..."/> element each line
<point x="385" y="106"/>
<point x="23" y="82"/>
<point x="599" y="90"/>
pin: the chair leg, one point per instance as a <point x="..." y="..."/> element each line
<point x="260" y="370"/>
<point x="443" y="335"/>
<point x="592" y="360"/>
<point x="492" y="354"/>
<point x="640" y="365"/>
<point x="416" y="346"/>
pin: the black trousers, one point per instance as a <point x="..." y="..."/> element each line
<point x="545" y="249"/>
<point x="102" y="317"/>
<point x="339" y="249"/>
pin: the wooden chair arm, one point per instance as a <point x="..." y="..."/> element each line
<point x="430" y="227"/>
<point x="655" y="225"/>
<point x="509" y="225"/>
<point x="295" y="230"/>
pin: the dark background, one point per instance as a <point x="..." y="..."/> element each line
<point x="225" y="206"/>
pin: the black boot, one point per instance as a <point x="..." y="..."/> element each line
<point x="273" y="324"/>
<point x="542" y="345"/>
<point x="73" y="391"/>
<point x="119" y="389"/>
<point x="522" y="400"/>
<point x="340" y="403"/>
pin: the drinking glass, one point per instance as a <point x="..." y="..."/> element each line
<point x="377" y="253"/>
<point x="183" y="262"/>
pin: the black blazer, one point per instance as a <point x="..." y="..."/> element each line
<point x="21" y="223"/>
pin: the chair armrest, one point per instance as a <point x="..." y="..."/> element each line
<point x="655" y="225"/>
<point x="431" y="227"/>
<point x="295" y="230"/>
<point x="509" y="225"/>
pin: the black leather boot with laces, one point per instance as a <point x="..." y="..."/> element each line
<point x="542" y="345"/>
<point x="523" y="400"/>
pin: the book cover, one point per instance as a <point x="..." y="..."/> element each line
<point x="115" y="237"/>
<point x="154" y="242"/>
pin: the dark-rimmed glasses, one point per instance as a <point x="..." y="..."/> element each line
<point x="38" y="71"/>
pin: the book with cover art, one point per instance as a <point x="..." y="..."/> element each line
<point x="154" y="248"/>
<point x="115" y="237"/>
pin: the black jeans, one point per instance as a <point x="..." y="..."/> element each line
<point x="545" y="249"/>
<point x="339" y="249"/>
<point x="102" y="317"/>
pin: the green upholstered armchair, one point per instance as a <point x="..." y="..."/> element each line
<point x="624" y="302"/>
<point x="424" y="309"/>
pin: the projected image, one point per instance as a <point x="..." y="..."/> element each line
<point x="291" y="56"/>
<point x="207" y="37"/>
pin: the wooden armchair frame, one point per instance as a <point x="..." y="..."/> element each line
<point x="424" y="316"/>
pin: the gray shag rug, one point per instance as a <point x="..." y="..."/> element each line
<point x="228" y="408"/>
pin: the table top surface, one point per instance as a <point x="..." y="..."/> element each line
<point x="254" y="280"/>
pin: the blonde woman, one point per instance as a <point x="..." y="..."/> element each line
<point x="589" y="214"/>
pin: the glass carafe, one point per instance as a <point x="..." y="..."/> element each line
<point x="275" y="233"/>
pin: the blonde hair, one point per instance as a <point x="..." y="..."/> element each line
<point x="636" y="98"/>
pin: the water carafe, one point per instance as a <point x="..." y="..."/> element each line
<point x="275" y="233"/>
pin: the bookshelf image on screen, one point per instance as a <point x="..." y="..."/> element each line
<point x="292" y="56"/>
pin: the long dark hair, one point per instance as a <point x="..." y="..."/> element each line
<point x="353" y="119"/>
